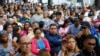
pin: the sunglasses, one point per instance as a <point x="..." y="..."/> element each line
<point x="91" y="44"/>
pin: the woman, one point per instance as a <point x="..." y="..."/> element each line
<point x="34" y="25"/>
<point x="25" y="28"/>
<point x="16" y="33"/>
<point x="39" y="42"/>
<point x="70" y="47"/>
<point x="8" y="27"/>
<point x="64" y="29"/>
<point x="7" y="47"/>
<point x="15" y="20"/>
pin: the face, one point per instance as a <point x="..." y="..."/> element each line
<point x="35" y="25"/>
<point x="30" y="29"/>
<point x="45" y="14"/>
<point x="28" y="12"/>
<point x="66" y="24"/>
<point x="25" y="45"/>
<point x="5" y="17"/>
<point x="71" y="44"/>
<point x="89" y="44"/>
<point x="9" y="28"/>
<point x="86" y="31"/>
<point x="76" y="23"/>
<point x="4" y="38"/>
<point x="58" y="16"/>
<point x="15" y="19"/>
<point x="27" y="25"/>
<point x="38" y="33"/>
<point x="53" y="29"/>
<point x="19" y="30"/>
<point x="39" y="10"/>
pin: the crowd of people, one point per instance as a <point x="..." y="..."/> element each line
<point x="36" y="30"/>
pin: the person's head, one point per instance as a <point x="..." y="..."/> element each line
<point x="85" y="30"/>
<point x="24" y="44"/>
<point x="30" y="29"/>
<point x="37" y="32"/>
<point x="76" y="22"/>
<point x="53" y="29"/>
<point x="66" y="23"/>
<point x="44" y="52"/>
<point x="45" y="14"/>
<point x="15" y="19"/>
<point x="81" y="16"/>
<point x="3" y="37"/>
<point x="58" y="15"/>
<point x="28" y="12"/>
<point x="8" y="27"/>
<point x="5" y="17"/>
<point x="72" y="13"/>
<point x="17" y="29"/>
<point x="35" y="25"/>
<point x="25" y="15"/>
<point x="26" y="25"/>
<point x="89" y="43"/>
<point x="71" y="44"/>
<point x="38" y="10"/>
<point x="41" y="24"/>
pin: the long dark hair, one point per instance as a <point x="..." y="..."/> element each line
<point x="65" y="22"/>
<point x="25" y="23"/>
<point x="15" y="32"/>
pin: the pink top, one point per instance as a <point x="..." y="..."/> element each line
<point x="23" y="33"/>
<point x="63" y="30"/>
<point x="34" y="45"/>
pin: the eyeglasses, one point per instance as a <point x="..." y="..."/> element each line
<point x="26" y="43"/>
<point x="91" y="44"/>
<point x="38" y="33"/>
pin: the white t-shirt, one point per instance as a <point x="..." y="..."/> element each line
<point x="87" y="19"/>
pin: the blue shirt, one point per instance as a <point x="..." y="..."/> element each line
<point x="74" y="30"/>
<point x="54" y="41"/>
<point x="40" y="44"/>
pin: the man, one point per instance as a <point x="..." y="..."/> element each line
<point x="24" y="46"/>
<point x="75" y="28"/>
<point x="82" y="34"/>
<point x="38" y="16"/>
<point x="54" y="39"/>
<point x="58" y="19"/>
<point x="89" y="45"/>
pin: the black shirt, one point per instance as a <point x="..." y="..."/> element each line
<point x="86" y="53"/>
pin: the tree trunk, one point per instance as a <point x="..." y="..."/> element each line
<point x="97" y="3"/>
<point x="49" y="2"/>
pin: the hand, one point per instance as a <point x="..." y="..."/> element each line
<point x="79" y="34"/>
<point x="12" y="53"/>
<point x="63" y="48"/>
<point x="38" y="49"/>
<point x="60" y="40"/>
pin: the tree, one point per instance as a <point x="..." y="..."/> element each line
<point x="97" y="3"/>
<point x="49" y="2"/>
<point x="25" y="1"/>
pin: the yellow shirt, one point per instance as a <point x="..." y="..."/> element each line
<point x="31" y="35"/>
